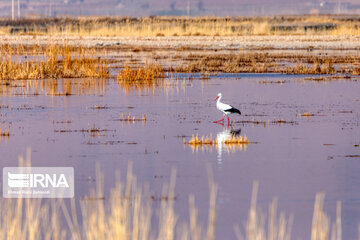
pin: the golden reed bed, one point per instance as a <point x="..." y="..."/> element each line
<point x="185" y="26"/>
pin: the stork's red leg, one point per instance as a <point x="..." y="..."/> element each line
<point x="228" y="118"/>
<point x="219" y="120"/>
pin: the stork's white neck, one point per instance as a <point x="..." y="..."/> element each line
<point x="219" y="98"/>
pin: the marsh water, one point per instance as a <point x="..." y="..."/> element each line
<point x="293" y="155"/>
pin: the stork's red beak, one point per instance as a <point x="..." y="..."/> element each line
<point x="216" y="98"/>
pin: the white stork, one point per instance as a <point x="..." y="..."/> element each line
<point x="224" y="108"/>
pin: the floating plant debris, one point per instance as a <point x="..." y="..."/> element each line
<point x="352" y="156"/>
<point x="265" y="123"/>
<point x="93" y="131"/>
<point x="282" y="121"/>
<point x="273" y="82"/>
<point x="307" y="114"/>
<point x="130" y="118"/>
<point x="98" y="107"/>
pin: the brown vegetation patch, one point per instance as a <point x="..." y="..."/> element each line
<point x="249" y="62"/>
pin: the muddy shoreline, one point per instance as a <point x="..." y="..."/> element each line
<point x="181" y="43"/>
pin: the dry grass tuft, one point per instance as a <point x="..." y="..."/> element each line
<point x="209" y="140"/>
<point x="140" y="78"/>
<point x="204" y="140"/>
<point x="147" y="73"/>
<point x="230" y="143"/>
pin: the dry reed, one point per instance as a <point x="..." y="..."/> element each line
<point x="126" y="214"/>
<point x="320" y="229"/>
<point x="59" y="62"/>
<point x="279" y="227"/>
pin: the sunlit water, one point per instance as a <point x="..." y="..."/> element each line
<point x="293" y="160"/>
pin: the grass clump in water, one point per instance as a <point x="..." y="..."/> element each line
<point x="204" y="140"/>
<point x="209" y="140"/>
<point x="140" y="78"/>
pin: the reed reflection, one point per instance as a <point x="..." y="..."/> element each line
<point x="54" y="87"/>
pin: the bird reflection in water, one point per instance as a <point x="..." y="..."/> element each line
<point x="225" y="135"/>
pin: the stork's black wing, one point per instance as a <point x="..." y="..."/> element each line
<point x="233" y="110"/>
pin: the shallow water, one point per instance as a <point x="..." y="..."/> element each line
<point x="293" y="158"/>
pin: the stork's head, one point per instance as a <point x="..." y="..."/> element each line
<point x="218" y="96"/>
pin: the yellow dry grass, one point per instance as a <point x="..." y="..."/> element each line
<point x="209" y="140"/>
<point x="204" y="140"/>
<point x="230" y="144"/>
<point x="131" y="78"/>
<point x="59" y="62"/>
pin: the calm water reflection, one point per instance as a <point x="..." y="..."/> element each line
<point x="294" y="157"/>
